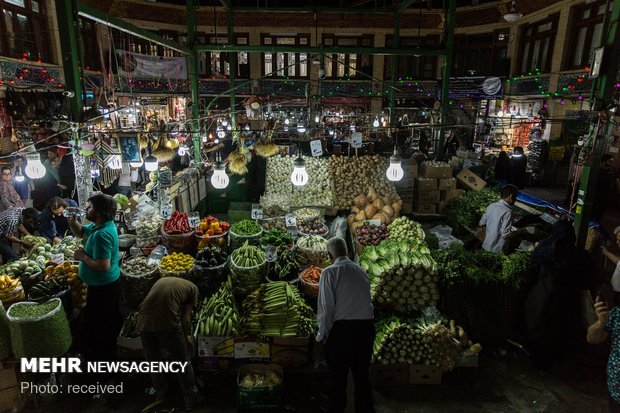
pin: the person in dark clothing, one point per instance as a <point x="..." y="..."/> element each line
<point x="518" y="166"/>
<point x="552" y="306"/>
<point x="503" y="168"/>
<point x="54" y="225"/>
<point x="605" y="187"/>
<point x="66" y="172"/>
<point x="451" y="146"/>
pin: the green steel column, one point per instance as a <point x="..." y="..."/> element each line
<point x="68" y="28"/>
<point x="393" y="66"/>
<point x="232" y="60"/>
<point x="192" y="61"/>
<point x="445" y="77"/>
<point x="601" y="96"/>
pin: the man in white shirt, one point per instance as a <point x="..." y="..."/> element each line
<point x="497" y="221"/>
<point x="346" y="322"/>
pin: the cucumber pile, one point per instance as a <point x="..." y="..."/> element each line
<point x="218" y="316"/>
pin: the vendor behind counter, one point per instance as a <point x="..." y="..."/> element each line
<point x="54" y="225"/>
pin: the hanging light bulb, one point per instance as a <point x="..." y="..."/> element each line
<point x="375" y="124"/>
<point x="500" y="112"/>
<point x="151" y="163"/>
<point x="136" y="164"/>
<point x="286" y="121"/>
<point x="19" y="177"/>
<point x="395" y="171"/>
<point x="34" y="168"/>
<point x="219" y="179"/>
<point x="216" y="141"/>
<point x="331" y="132"/>
<point x="115" y="162"/>
<point x="299" y="177"/>
<point x="221" y="133"/>
<point x="247" y="126"/>
<point x="301" y="128"/>
<point x="224" y="122"/>
<point x="317" y="119"/>
<point x="204" y="138"/>
<point x="229" y="127"/>
<point x="352" y="127"/>
<point x="182" y="150"/>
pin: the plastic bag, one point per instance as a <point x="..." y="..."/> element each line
<point x="156" y="256"/>
<point x="444" y="236"/>
<point x="339" y="228"/>
<point x="146" y="221"/>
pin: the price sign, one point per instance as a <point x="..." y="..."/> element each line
<point x="291" y="221"/>
<point x="292" y="232"/>
<point x="356" y="140"/>
<point x="316" y="147"/>
<point x="194" y="219"/>
<point x="165" y="178"/>
<point x="166" y="211"/>
<point x="58" y="258"/>
<point x="271" y="254"/>
<point x="375" y="222"/>
<point x="257" y="211"/>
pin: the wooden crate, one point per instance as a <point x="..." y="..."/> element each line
<point x="389" y="374"/>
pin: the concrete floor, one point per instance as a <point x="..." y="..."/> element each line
<point x="501" y="384"/>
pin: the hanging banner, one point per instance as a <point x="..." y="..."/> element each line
<point x="473" y="87"/>
<point x="146" y="66"/>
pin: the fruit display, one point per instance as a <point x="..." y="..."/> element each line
<point x="275" y="238"/>
<point x="318" y="190"/>
<point x="405" y="229"/>
<point x="374" y="205"/>
<point x="314" y="226"/>
<point x="211" y="226"/>
<point x="368" y="234"/>
<point x="356" y="175"/>
<point x="287" y="266"/>
<point x="401" y="273"/>
<point x="11" y="290"/>
<point x="277" y="310"/>
<point x="211" y="256"/>
<point x="68" y="273"/>
<point x="177" y="224"/>
<point x="218" y="315"/>
<point x="176" y="264"/>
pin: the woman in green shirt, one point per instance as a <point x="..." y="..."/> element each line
<point x="100" y="270"/>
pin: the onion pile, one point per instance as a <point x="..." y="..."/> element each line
<point x="368" y="234"/>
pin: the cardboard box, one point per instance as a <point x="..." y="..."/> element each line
<point x="290" y="351"/>
<point x="448" y="196"/>
<point x="215" y="353"/>
<point x="420" y="374"/>
<point x="470" y="180"/>
<point x="268" y="397"/>
<point x="430" y="171"/>
<point x="9" y="399"/>
<point x="389" y="374"/>
<point x="446" y="184"/>
<point x="430" y="197"/>
<point x="250" y="350"/>
<point x="425" y="184"/>
<point x="425" y="208"/>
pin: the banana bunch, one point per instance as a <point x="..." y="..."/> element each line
<point x="8" y="284"/>
<point x="218" y="316"/>
<point x="277" y="310"/>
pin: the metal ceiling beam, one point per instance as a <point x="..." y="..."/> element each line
<point x="405" y="5"/>
<point x="103" y="18"/>
<point x="317" y="50"/>
<point x="319" y="10"/>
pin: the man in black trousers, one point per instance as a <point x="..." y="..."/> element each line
<point x="346" y="323"/>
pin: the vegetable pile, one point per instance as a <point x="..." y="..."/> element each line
<point x="211" y="226"/>
<point x="316" y="192"/>
<point x="177" y="224"/>
<point x="310" y="280"/>
<point x="307" y="213"/>
<point x="374" y="205"/>
<point x="401" y="273"/>
<point x="312" y="249"/>
<point x="244" y="230"/>
<point x="405" y="229"/>
<point x="137" y="267"/>
<point x="248" y="256"/>
<point x="275" y="238"/>
<point x="67" y="247"/>
<point x="269" y="224"/>
<point x="313" y="226"/>
<point x="129" y="326"/>
<point x="39" y="330"/>
<point x="277" y="310"/>
<point x="355" y="175"/>
<point x="218" y="315"/>
<point x="45" y="290"/>
<point x="247" y="265"/>
<point x="287" y="266"/>
<point x="431" y="344"/>
<point x="260" y="379"/>
<point x="368" y="234"/>
<point x="468" y="209"/>
<point x="22" y="268"/>
<point x="148" y="224"/>
<point x="35" y="240"/>
<point x="9" y="292"/>
<point x="211" y="256"/>
<point x="177" y="262"/>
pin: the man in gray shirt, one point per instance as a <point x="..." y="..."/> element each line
<point x="346" y="323"/>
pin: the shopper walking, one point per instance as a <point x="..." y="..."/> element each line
<point x="346" y="322"/>
<point x="518" y="168"/>
<point x="99" y="269"/>
<point x="496" y="223"/>
<point x="9" y="198"/>
<point x="502" y="168"/>
<point x="13" y="223"/>
<point x="164" y="324"/>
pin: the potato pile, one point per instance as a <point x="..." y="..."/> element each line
<point x="374" y="205"/>
<point x="355" y="175"/>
